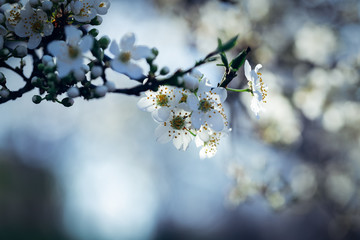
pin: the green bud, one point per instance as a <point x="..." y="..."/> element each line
<point x="49" y="69"/>
<point x="239" y="60"/>
<point x="51" y="77"/>
<point x="67" y="102"/>
<point x="37" y="99"/>
<point x="94" y="32"/>
<point x="164" y="71"/>
<point x="104" y="42"/>
<point x="4" y="52"/>
<point x="36" y="82"/>
<point x="41" y="66"/>
<point x="20" y="51"/>
<point x="155" y="51"/>
<point x="153" y="68"/>
<point x="96" y="21"/>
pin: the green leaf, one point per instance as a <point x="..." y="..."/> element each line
<point x="224" y="60"/>
<point x="227" y="45"/>
<point x="239" y="60"/>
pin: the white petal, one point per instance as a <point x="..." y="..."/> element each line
<point x="86" y="43"/>
<point x="57" y="47"/>
<point x="34" y="41"/>
<point x="161" y="114"/>
<point x="162" y="134"/>
<point x="195" y="119"/>
<point x="177" y="141"/>
<point x="257" y="67"/>
<point x="22" y="29"/>
<point x="216" y="121"/>
<point x="73" y="35"/>
<point x="127" y="42"/>
<point x="118" y="66"/>
<point x="203" y="135"/>
<point x="221" y="92"/>
<point x="63" y="69"/>
<point x="247" y="70"/>
<point x="193" y="102"/>
<point x="114" y="48"/>
<point x="134" y="71"/>
<point x="48" y="29"/>
<point x="145" y="104"/>
<point x="139" y="52"/>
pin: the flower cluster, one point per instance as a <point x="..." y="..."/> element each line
<point x="70" y="60"/>
<point x="190" y="114"/>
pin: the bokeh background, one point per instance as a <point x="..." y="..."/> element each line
<point x="95" y="171"/>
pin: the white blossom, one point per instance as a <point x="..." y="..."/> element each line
<point x="177" y="128"/>
<point x="207" y="107"/>
<point x="161" y="102"/>
<point x="126" y="53"/>
<point x="83" y="10"/>
<point x="12" y="15"/>
<point x="69" y="54"/>
<point x="33" y="24"/>
<point x="102" y="6"/>
<point x="257" y="86"/>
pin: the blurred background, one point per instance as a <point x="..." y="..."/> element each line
<point x="95" y="171"/>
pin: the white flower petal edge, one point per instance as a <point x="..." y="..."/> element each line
<point x="258" y="88"/>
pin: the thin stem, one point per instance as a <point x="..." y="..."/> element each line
<point x="239" y="90"/>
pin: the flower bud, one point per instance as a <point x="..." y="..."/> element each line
<point x="110" y="86"/>
<point x="37" y="99"/>
<point x="46" y="5"/>
<point x="155" y="51"/>
<point x="96" y="71"/>
<point x="41" y="66"/>
<point x="104" y="42"/>
<point x="94" y="32"/>
<point x="4" y="93"/>
<point x="100" y="91"/>
<point x="46" y="59"/>
<point x="4" y="52"/>
<point x="73" y="92"/>
<point x="51" y="77"/>
<point x="36" y="82"/>
<point x="67" y="102"/>
<point x="79" y="75"/>
<point x="96" y="21"/>
<point x="164" y="71"/>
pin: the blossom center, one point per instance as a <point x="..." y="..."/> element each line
<point x="162" y="100"/>
<point x="73" y="52"/>
<point x="262" y="88"/>
<point x="177" y="123"/>
<point x="125" y="57"/>
<point x="183" y="98"/>
<point x="204" y="105"/>
<point x="37" y="27"/>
